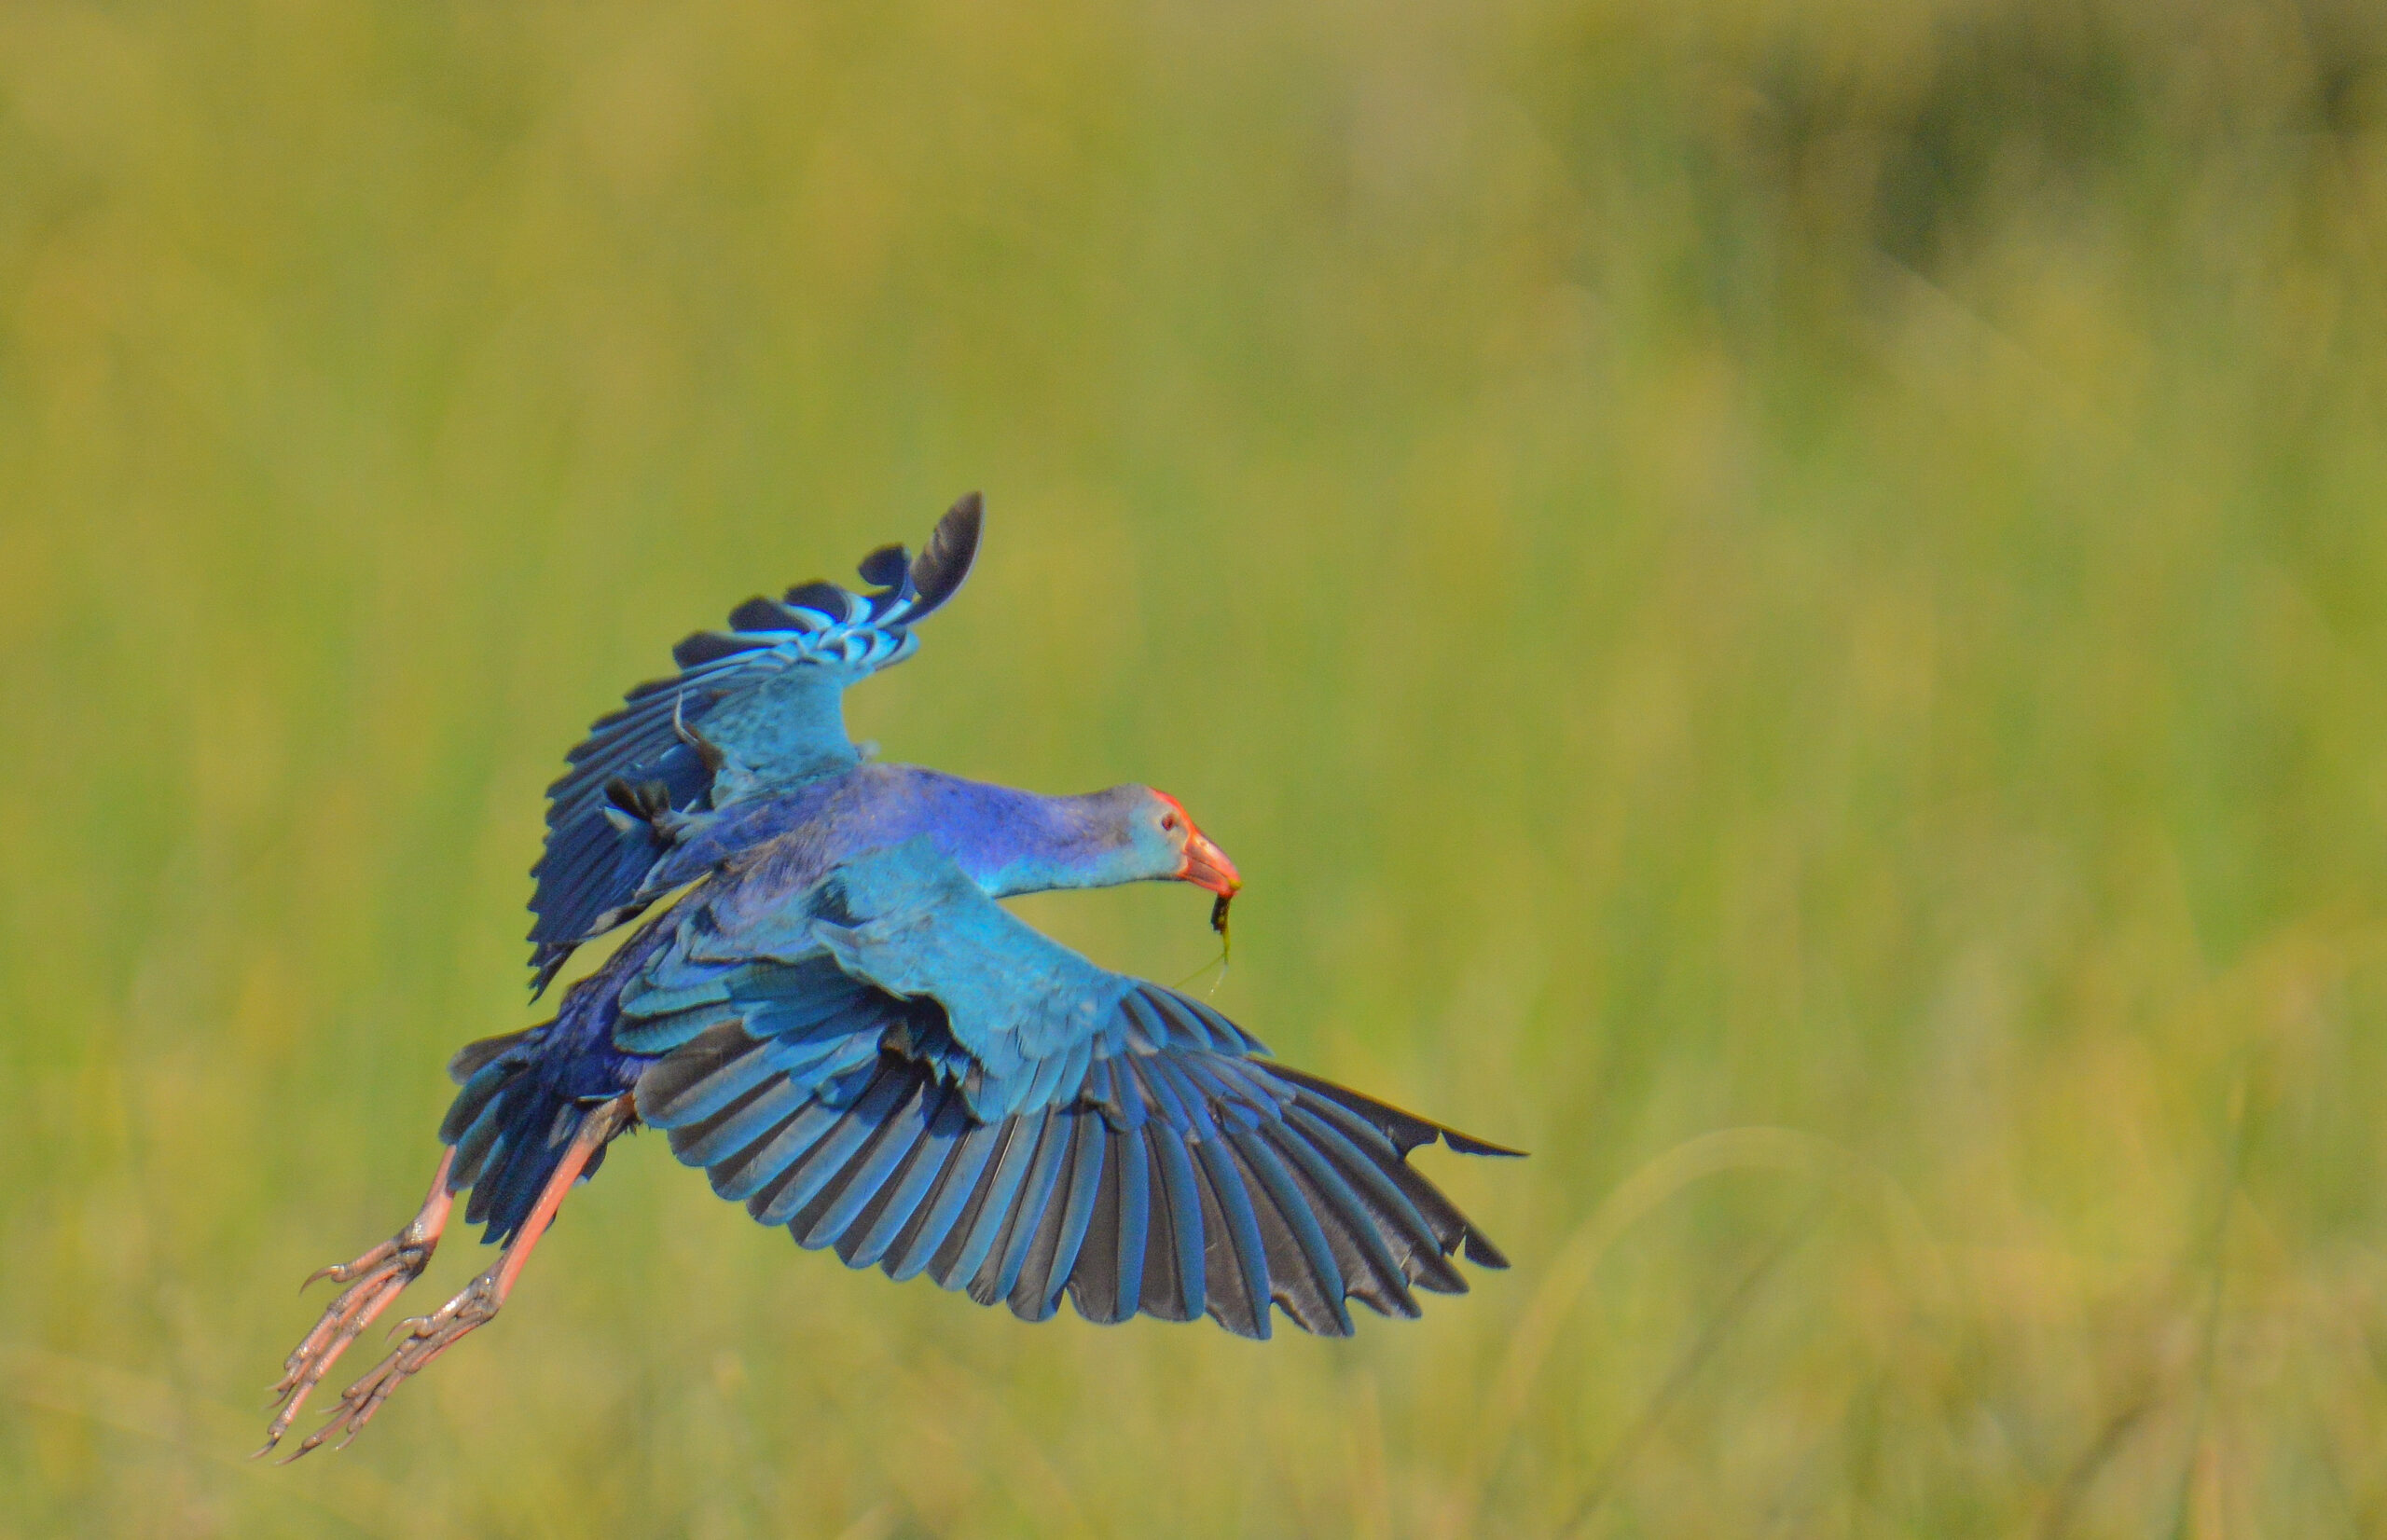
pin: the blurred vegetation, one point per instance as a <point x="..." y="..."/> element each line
<point x="1785" y="602"/>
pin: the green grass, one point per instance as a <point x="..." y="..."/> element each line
<point x="1786" y="606"/>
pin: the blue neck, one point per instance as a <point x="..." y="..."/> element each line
<point x="1021" y="842"/>
<point x="1008" y="841"/>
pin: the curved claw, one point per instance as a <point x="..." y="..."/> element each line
<point x="340" y="1273"/>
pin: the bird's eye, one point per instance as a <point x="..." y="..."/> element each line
<point x="1168" y="821"/>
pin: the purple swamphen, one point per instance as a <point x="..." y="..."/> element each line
<point x="841" y="1024"/>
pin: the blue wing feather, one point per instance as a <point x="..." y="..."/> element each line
<point x="923" y="1240"/>
<point x="1308" y="1275"/>
<point x="716" y="1139"/>
<point x="812" y="1175"/>
<point x="1371" y="1272"/>
<point x="1177" y="1243"/>
<point x="1001" y="1274"/>
<point x="1239" y="1290"/>
<point x="865" y="1244"/>
<point x="744" y="1173"/>
<point x="966" y="1251"/>
<point x="1131" y="1224"/>
<point x="1052" y="1277"/>
<point x="844" y="1201"/>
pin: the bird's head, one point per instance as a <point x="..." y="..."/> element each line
<point x="1149" y="836"/>
<point x="1100" y="839"/>
<point x="1167" y="846"/>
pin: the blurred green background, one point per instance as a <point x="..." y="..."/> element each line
<point x="1784" y="601"/>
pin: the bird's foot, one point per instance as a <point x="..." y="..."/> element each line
<point x="373" y="1281"/>
<point x="379" y="1273"/>
<point x="426" y="1338"/>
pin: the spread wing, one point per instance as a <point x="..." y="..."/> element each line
<point x="897" y="1068"/>
<point x="754" y="709"/>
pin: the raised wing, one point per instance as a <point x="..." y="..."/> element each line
<point x="754" y="709"/>
<point x="899" y="1068"/>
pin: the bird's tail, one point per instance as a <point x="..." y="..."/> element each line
<point x="510" y="1128"/>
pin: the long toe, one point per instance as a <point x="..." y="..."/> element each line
<point x="426" y="1338"/>
<point x="374" y="1280"/>
<point x="342" y="1272"/>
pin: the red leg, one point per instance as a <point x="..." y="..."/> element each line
<point x="374" y="1280"/>
<point x="429" y="1336"/>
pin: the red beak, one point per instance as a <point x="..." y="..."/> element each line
<point x="1206" y="866"/>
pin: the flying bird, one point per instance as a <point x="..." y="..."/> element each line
<point x="842" y="1025"/>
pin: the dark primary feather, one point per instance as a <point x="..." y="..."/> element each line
<point x="754" y="709"/>
<point x="945" y="564"/>
<point x="964" y="1117"/>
